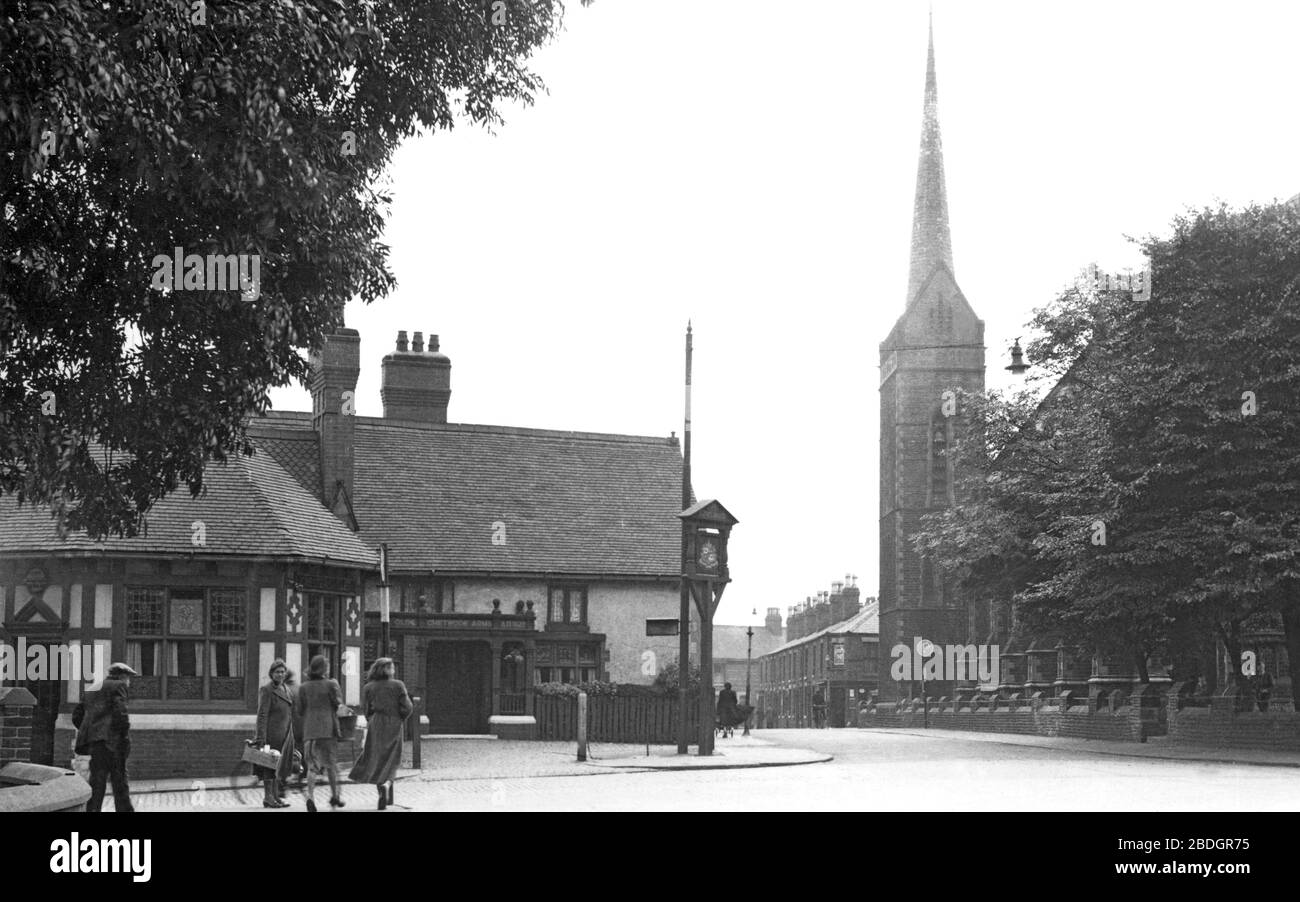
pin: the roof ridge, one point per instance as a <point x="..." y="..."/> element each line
<point x="491" y="429"/>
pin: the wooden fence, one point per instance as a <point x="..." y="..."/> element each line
<point x="639" y="719"/>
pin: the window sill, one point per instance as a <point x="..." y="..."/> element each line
<point x="567" y="628"/>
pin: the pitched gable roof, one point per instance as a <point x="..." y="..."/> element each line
<point x="490" y="499"/>
<point x="251" y="507"/>
<point x="865" y="622"/>
<point x="731" y="642"/>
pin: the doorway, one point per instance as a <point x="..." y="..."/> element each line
<point x="459" y="684"/>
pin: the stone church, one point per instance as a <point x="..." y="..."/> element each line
<point x="935" y="351"/>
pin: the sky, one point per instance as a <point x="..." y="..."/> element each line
<point x="749" y="165"/>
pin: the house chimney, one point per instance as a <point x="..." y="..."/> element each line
<point x="334" y="370"/>
<point x="823" y="611"/>
<point x="852" y="602"/>
<point x="774" y="621"/>
<point x="416" y="384"/>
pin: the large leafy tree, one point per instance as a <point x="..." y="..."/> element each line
<point x="129" y="128"/>
<point x="1173" y="426"/>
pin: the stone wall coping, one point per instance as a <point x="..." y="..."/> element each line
<point x="182" y="722"/>
<point x="15" y="697"/>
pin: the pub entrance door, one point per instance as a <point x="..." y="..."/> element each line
<point x="459" y="686"/>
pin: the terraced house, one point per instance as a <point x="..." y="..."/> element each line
<point x="516" y="556"/>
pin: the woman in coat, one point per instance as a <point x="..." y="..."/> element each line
<point x="387" y="705"/>
<point x="275" y="728"/>
<point x="317" y="704"/>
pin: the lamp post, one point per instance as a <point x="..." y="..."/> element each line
<point x="924" y="648"/>
<point x="1018" y="365"/>
<point x="749" y="658"/>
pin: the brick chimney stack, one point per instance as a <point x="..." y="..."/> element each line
<point x="415" y="383"/>
<point x="774" y="621"/>
<point x="334" y="371"/>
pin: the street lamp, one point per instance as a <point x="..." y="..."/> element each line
<point x="924" y="649"/>
<point x="1018" y="365"/>
<point x="749" y="658"/>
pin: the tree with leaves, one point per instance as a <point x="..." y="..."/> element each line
<point x="1153" y="496"/>
<point x="133" y="128"/>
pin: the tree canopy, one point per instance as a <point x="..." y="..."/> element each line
<point x="133" y="128"/>
<point x="1153" y="494"/>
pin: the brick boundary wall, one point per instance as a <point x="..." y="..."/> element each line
<point x="17" y="706"/>
<point x="1220" y="724"/>
<point x="1215" y="722"/>
<point x="163" y="754"/>
<point x="1121" y="722"/>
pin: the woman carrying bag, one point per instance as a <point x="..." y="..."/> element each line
<point x="275" y="728"/>
<point x="387" y="705"/>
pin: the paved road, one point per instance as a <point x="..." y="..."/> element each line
<point x="872" y="770"/>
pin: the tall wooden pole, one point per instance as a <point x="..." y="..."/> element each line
<point x="707" y="715"/>
<point x="684" y="622"/>
<point x="384" y="606"/>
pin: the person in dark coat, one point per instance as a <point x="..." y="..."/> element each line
<point x="387" y="705"/>
<point x="275" y="728"/>
<point x="727" y="706"/>
<point x="318" y="705"/>
<point x="104" y="733"/>
<point x="1263" y="687"/>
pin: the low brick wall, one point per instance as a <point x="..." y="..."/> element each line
<point x="1218" y="724"/>
<point x="1034" y="718"/>
<point x="17" y="706"/>
<point x="159" y="753"/>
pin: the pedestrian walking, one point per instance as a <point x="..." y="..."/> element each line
<point x="387" y="704"/>
<point x="1264" y="687"/>
<point x="275" y="728"/>
<point x="318" y="705"/>
<point x="726" y="711"/>
<point x="819" y="708"/>
<point x="104" y="733"/>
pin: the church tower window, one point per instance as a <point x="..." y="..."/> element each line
<point x="939" y="482"/>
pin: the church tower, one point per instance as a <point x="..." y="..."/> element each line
<point x="936" y="347"/>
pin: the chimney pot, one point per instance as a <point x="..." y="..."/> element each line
<point x="415" y="385"/>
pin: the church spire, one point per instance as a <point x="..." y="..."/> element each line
<point x="931" y="242"/>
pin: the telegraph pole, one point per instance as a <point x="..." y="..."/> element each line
<point x="384" y="606"/>
<point x="684" y="621"/>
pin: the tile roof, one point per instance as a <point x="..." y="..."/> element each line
<point x="299" y="455"/>
<point x="864" y="622"/>
<point x="251" y="508"/>
<point x="730" y="641"/>
<point x="570" y="502"/>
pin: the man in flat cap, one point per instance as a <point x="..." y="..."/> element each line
<point x="103" y="733"/>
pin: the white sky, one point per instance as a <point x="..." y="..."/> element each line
<point x="750" y="165"/>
